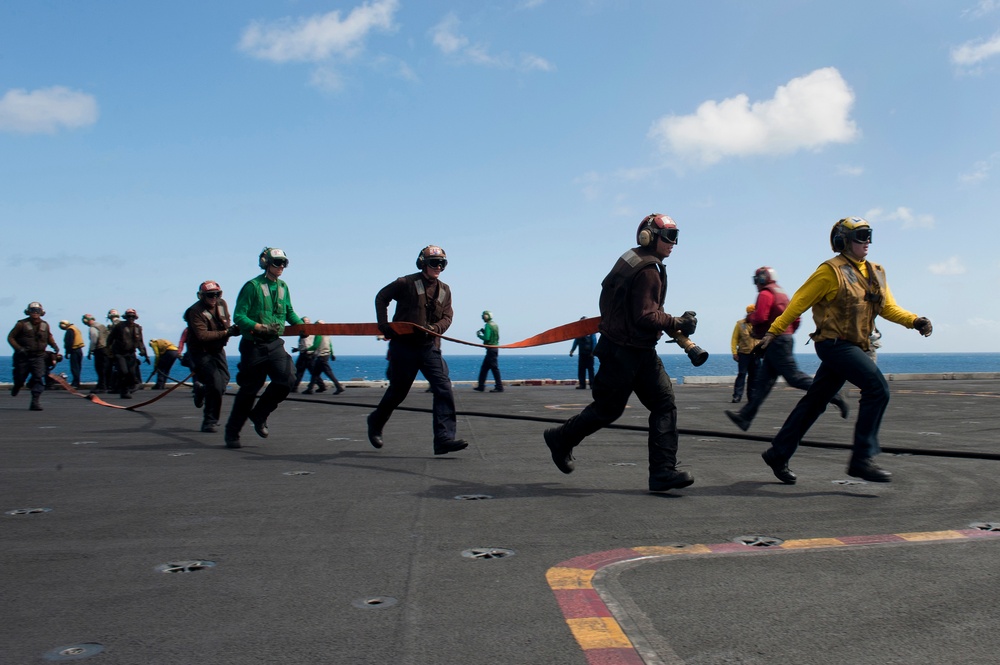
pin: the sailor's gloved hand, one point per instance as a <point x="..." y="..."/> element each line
<point x="233" y="331"/>
<point x="333" y="358"/>
<point x="274" y="329"/>
<point x="89" y="356"/>
<point x="386" y="330"/>
<point x="145" y="359"/>
<point x="481" y="333"/>
<point x="763" y="344"/>
<point x="923" y="326"/>
<point x="686" y="323"/>
<point x="295" y="350"/>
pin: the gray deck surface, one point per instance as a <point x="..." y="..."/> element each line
<point x="359" y="559"/>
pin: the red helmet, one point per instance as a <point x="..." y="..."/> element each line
<point x="765" y="275"/>
<point x="656" y="225"/>
<point x="208" y="286"/>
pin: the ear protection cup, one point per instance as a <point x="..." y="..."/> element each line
<point x="262" y="259"/>
<point x="837" y="240"/>
<point x="38" y="305"/>
<point x="645" y="236"/>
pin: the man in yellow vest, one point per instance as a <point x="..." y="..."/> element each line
<point x="164" y="355"/>
<point x="742" y="345"/>
<point x="845" y="293"/>
<point x="73" y="346"/>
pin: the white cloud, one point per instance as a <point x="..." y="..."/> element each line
<point x="901" y="214"/>
<point x="46" y="110"/>
<point x="980" y="170"/>
<point x="447" y="38"/>
<point x="318" y="38"/>
<point x="974" y="52"/>
<point x="982" y="8"/>
<point x="806" y="113"/>
<point x="849" y="170"/>
<point x="953" y="266"/>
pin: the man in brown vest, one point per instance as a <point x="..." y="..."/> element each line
<point x="421" y="298"/>
<point x="29" y="338"/>
<point x="632" y="321"/>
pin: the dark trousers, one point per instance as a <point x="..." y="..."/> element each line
<point x="258" y="362"/>
<point x="746" y="372"/>
<point x="490" y="363"/>
<point x="163" y="365"/>
<point x="840" y="362"/>
<point x="101" y="368"/>
<point x="407" y="360"/>
<point x="302" y="363"/>
<point x="321" y="367"/>
<point x="75" y="357"/>
<point x="585" y="367"/>
<point x="778" y="361"/>
<point x="30" y="364"/>
<point x="625" y="370"/>
<point x="211" y="373"/>
<point x="127" y="367"/>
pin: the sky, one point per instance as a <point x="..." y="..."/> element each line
<point x="146" y="147"/>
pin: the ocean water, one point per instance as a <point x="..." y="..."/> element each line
<point x="559" y="367"/>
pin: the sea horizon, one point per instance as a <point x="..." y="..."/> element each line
<point x="561" y="367"/>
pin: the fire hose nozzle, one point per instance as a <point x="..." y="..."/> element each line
<point x="695" y="353"/>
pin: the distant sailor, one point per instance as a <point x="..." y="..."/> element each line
<point x="490" y="334"/>
<point x="845" y="293"/>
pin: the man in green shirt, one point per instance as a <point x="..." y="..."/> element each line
<point x="490" y="334"/>
<point x="262" y="309"/>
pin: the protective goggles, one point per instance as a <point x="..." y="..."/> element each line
<point x="34" y="310"/>
<point x="437" y="263"/>
<point x="211" y="294"/>
<point x="669" y="234"/>
<point x="279" y="262"/>
<point x="863" y="234"/>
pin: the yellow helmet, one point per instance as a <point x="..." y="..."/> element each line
<point x="848" y="229"/>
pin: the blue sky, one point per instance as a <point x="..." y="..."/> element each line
<point x="145" y="147"/>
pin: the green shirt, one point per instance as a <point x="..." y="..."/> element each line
<point x="265" y="302"/>
<point x="490" y="334"/>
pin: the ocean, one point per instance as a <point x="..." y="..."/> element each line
<point x="514" y="367"/>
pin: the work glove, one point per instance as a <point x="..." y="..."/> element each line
<point x="333" y="358"/>
<point x="145" y="359"/>
<point x="763" y="344"/>
<point x="233" y="331"/>
<point x="923" y="326"/>
<point x="386" y="330"/>
<point x="686" y="323"/>
<point x="89" y="355"/>
<point x="274" y="329"/>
